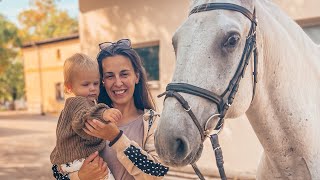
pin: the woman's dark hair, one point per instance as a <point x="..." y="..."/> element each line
<point x="141" y="95"/>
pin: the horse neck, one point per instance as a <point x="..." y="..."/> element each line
<point x="285" y="112"/>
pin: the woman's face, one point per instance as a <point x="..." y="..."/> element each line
<point x="119" y="79"/>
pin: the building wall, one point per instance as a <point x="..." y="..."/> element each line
<point x="300" y="9"/>
<point x="142" y="21"/>
<point x="306" y="13"/>
<point x="146" y="21"/>
<point x="43" y="69"/>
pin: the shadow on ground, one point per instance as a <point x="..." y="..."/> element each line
<point x="14" y="132"/>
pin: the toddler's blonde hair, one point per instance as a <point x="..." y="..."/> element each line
<point x="75" y="63"/>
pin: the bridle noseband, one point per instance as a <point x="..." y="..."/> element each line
<point x="224" y="100"/>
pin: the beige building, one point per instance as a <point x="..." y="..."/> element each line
<point x="43" y="62"/>
<point x="150" y="25"/>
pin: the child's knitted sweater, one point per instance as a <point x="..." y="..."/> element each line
<point x="72" y="142"/>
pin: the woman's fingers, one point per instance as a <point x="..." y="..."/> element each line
<point x="87" y="131"/>
<point x="88" y="126"/>
<point x="101" y="130"/>
<point x="100" y="163"/>
<point x="105" y="172"/>
<point x="91" y="130"/>
<point x="95" y="164"/>
<point x="92" y="168"/>
<point x="98" y="124"/>
<point x="94" y="125"/>
<point x="91" y="157"/>
<point x="98" y="167"/>
<point x="113" y="119"/>
<point x="104" y="166"/>
<point x="118" y="114"/>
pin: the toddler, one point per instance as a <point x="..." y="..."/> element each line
<point x="73" y="145"/>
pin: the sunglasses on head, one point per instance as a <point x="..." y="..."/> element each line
<point x="122" y="43"/>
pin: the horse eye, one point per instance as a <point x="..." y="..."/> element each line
<point x="232" y="41"/>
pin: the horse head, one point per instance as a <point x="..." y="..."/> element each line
<point x="216" y="76"/>
<point x="212" y="54"/>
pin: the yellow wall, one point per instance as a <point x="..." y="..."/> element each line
<point x="43" y="69"/>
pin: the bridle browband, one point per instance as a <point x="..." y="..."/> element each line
<point x="224" y="100"/>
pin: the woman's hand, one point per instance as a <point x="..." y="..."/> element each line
<point x="93" y="168"/>
<point x="101" y="130"/>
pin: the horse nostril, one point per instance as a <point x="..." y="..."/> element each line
<point x="180" y="148"/>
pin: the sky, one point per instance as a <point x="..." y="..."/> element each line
<point x="12" y="8"/>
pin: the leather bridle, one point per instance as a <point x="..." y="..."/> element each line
<point x="224" y="100"/>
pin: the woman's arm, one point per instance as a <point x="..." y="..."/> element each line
<point x="140" y="163"/>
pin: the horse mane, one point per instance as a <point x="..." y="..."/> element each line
<point x="284" y="20"/>
<point x="297" y="36"/>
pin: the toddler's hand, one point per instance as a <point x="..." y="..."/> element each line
<point x="112" y="115"/>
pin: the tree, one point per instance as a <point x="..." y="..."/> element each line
<point x="43" y="20"/>
<point x="11" y="71"/>
<point x="12" y="82"/>
<point x="9" y="42"/>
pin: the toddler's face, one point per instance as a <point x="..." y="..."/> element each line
<point x="86" y="84"/>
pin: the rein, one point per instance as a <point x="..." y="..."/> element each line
<point x="224" y="100"/>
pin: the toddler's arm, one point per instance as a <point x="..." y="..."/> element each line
<point x="80" y="109"/>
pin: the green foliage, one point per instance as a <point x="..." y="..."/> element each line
<point x="12" y="82"/>
<point x="11" y="72"/>
<point x="43" y="20"/>
<point x="9" y="42"/>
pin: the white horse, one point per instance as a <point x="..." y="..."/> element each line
<point x="285" y="111"/>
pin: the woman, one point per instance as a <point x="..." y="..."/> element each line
<point x="130" y="151"/>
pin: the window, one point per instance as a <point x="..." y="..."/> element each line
<point x="59" y="91"/>
<point x="150" y="59"/>
<point x="313" y="32"/>
<point x="311" y="27"/>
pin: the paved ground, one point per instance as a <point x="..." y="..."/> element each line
<point x="25" y="144"/>
<point x="26" y="141"/>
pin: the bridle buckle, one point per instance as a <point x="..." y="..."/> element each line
<point x="187" y="110"/>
